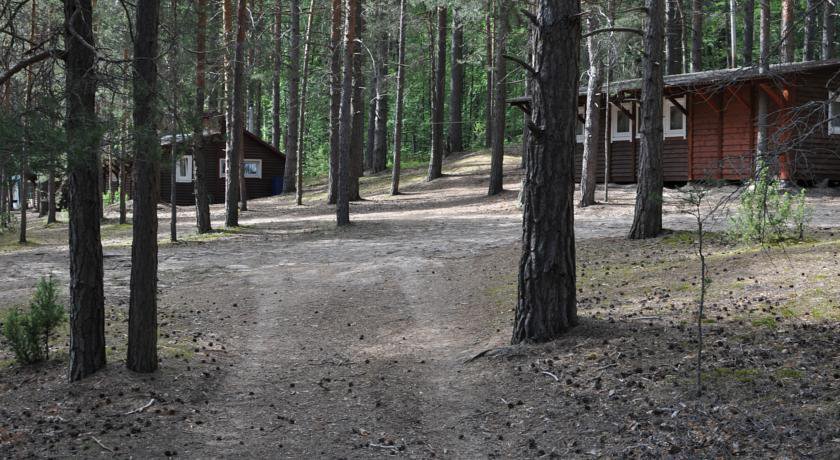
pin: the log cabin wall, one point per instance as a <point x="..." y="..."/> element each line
<point x="817" y="157"/>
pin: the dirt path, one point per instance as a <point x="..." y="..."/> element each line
<point x="294" y="339"/>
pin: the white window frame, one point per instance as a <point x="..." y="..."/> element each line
<point x="666" y="121"/>
<point x="833" y="97"/>
<point x="258" y="175"/>
<point x="616" y="136"/>
<point x="181" y="178"/>
<point x="580" y="137"/>
<point x="247" y="176"/>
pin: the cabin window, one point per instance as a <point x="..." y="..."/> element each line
<point x="580" y="132"/>
<point x="834" y="113"/>
<point x="674" y="119"/>
<point x="252" y="169"/>
<point x="621" y="126"/>
<point x="184" y="169"/>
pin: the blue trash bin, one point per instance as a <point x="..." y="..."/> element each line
<point x="276" y="185"/>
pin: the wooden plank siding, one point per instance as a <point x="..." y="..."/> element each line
<point x="817" y="156"/>
<point x="273" y="165"/>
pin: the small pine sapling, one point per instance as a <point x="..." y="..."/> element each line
<point x="46" y="312"/>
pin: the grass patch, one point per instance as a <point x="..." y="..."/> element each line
<point x="788" y="373"/>
<point x="728" y="374"/>
<point x="768" y="321"/>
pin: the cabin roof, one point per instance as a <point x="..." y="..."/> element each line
<point x="181" y="138"/>
<point x="713" y="77"/>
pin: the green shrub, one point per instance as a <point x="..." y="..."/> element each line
<point x="768" y="215"/>
<point x="29" y="333"/>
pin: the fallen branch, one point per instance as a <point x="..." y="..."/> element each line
<point x="141" y="409"/>
<point x="382" y="446"/>
<point x="551" y="375"/>
<point x="101" y="445"/>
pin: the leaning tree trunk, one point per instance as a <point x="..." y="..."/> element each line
<point x="647" y="219"/>
<point x="592" y="125"/>
<point x="142" y="312"/>
<point x="696" y="35"/>
<point x="546" y="305"/>
<point x="497" y="154"/>
<point x="335" y="98"/>
<point x="202" y="201"/>
<point x="87" y="300"/>
<point x="346" y="114"/>
<point x="436" y="160"/>
<point x="294" y="100"/>
<point x="673" y="37"/>
<point x="398" y="116"/>
<point x="456" y="85"/>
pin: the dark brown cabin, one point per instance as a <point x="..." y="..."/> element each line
<point x="710" y="130"/>
<point x="264" y="167"/>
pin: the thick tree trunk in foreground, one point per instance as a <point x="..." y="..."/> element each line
<point x="456" y="86"/>
<point x="398" y="116"/>
<point x="142" y="314"/>
<point x="647" y="219"/>
<point x="87" y="300"/>
<point x="673" y="37"/>
<point x="592" y="126"/>
<point x="696" y="35"/>
<point x="335" y="98"/>
<point x="202" y="200"/>
<point x="346" y="114"/>
<point x="547" y="304"/>
<point x="294" y="100"/>
<point x="436" y="160"/>
<point x="497" y="154"/>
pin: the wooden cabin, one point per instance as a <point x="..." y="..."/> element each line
<point x="709" y="121"/>
<point x="264" y="166"/>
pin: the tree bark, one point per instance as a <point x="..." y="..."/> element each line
<point x="673" y="37"/>
<point x="761" y="154"/>
<point x="733" y="33"/>
<point x="456" y="85"/>
<point x="142" y="316"/>
<point x="371" y="121"/>
<point x="592" y="126"/>
<point x="788" y="38"/>
<point x="173" y="189"/>
<point x="51" y="196"/>
<point x="546" y="305"/>
<point x="202" y="200"/>
<point x="358" y="105"/>
<point x="697" y="35"/>
<point x="436" y="160"/>
<point x="749" y="32"/>
<point x="302" y="132"/>
<point x="828" y="38"/>
<point x="398" y="116"/>
<point x="335" y="98"/>
<point x="346" y="114"/>
<point x="647" y="219"/>
<point x="277" y="56"/>
<point x="497" y="155"/>
<point x="231" y="163"/>
<point x="380" y="132"/>
<point x="87" y="309"/>
<point x="488" y="49"/>
<point x="294" y="100"/>
<point x="811" y="44"/>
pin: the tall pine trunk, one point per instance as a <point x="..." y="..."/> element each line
<point x="828" y="38"/>
<point x="235" y="180"/>
<point x="142" y="313"/>
<point x="398" y="116"/>
<point x="733" y="33"/>
<point x="277" y="61"/>
<point x="87" y="300"/>
<point x="749" y="31"/>
<point x="456" y="85"/>
<point x="488" y="50"/>
<point x="294" y="100"/>
<point x="762" y="141"/>
<point x="673" y="37"/>
<point x="302" y="132"/>
<point x="436" y="158"/>
<point x="173" y="152"/>
<point x="231" y="160"/>
<point x="202" y="200"/>
<point x="335" y="98"/>
<point x="546" y="304"/>
<point x="358" y="105"/>
<point x="647" y="218"/>
<point x="788" y="38"/>
<point x="811" y="43"/>
<point x="592" y="125"/>
<point x="380" y="131"/>
<point x="346" y="114"/>
<point x="497" y="154"/>
<point x="696" y="35"/>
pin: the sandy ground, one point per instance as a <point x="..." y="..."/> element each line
<point x="291" y="338"/>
